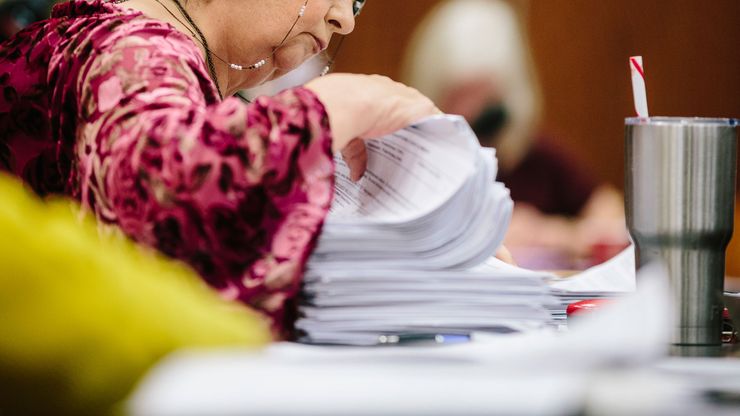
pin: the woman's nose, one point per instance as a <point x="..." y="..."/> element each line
<point x="341" y="17"/>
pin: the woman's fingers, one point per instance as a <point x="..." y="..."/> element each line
<point x="504" y="255"/>
<point x="355" y="155"/>
<point x="368" y="106"/>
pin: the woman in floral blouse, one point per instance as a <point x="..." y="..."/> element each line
<point x="119" y="105"/>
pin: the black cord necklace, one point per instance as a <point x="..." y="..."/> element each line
<point x="200" y="36"/>
<point x="210" y="54"/>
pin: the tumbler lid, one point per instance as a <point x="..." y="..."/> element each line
<point x="718" y="122"/>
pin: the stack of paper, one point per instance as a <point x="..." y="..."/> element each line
<point x="357" y="306"/>
<point x="405" y="249"/>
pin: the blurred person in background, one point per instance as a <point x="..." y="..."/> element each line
<point x="472" y="58"/>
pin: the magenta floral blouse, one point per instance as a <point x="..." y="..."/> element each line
<point x="118" y="111"/>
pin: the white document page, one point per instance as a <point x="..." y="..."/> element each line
<point x="410" y="173"/>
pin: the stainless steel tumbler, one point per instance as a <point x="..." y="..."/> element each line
<point x="679" y="201"/>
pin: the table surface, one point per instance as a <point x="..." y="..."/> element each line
<point x="616" y="362"/>
<point x="293" y="379"/>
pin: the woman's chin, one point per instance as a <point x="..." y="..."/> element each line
<point x="291" y="59"/>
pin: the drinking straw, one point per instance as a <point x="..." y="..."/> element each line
<point x="638" y="86"/>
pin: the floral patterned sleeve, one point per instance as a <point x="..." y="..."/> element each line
<point x="239" y="191"/>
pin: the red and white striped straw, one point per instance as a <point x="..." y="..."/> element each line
<point x="638" y="86"/>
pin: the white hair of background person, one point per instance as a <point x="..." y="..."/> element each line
<point x="461" y="38"/>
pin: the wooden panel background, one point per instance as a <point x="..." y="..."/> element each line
<point x="691" y="50"/>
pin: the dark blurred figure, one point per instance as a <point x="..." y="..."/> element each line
<point x="17" y="14"/>
<point x="472" y="58"/>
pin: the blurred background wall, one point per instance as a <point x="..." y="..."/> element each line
<point x="691" y="50"/>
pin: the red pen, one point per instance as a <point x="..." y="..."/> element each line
<point x="584" y="306"/>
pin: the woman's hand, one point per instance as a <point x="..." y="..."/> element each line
<point x="503" y="254"/>
<point x="367" y="106"/>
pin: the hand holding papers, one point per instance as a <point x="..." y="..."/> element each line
<point x="405" y="249"/>
<point x="427" y="201"/>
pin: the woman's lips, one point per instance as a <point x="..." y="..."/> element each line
<point x="320" y="45"/>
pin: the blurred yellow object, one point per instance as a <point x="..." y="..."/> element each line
<point x="83" y="317"/>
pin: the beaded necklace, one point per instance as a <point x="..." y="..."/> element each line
<point x="198" y="35"/>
